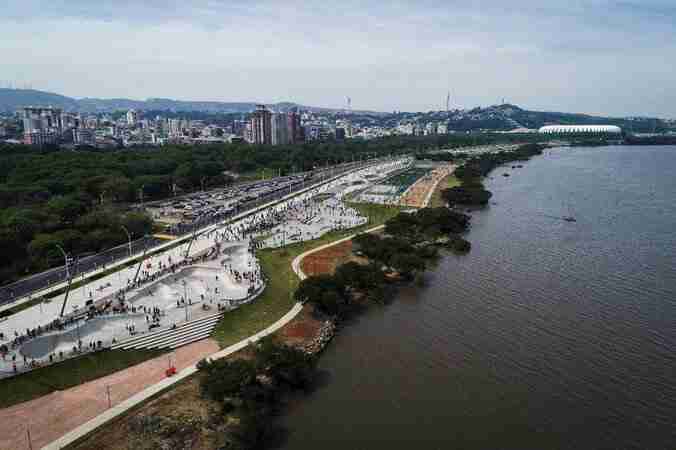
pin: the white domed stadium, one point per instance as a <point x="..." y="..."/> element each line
<point x="580" y="129"/>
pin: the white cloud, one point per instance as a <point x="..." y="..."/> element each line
<point x="599" y="56"/>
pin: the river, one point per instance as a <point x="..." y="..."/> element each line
<point x="548" y="335"/>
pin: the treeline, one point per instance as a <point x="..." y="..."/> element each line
<point x="250" y="391"/>
<point x="30" y="175"/>
<point x="651" y="140"/>
<point x="471" y="190"/>
<point x="29" y="236"/>
<point x="409" y="244"/>
<point x="442" y="157"/>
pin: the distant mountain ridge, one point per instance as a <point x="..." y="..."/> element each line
<point x="13" y="99"/>
<point x="497" y="117"/>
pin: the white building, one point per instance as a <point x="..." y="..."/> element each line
<point x="580" y="129"/>
<point x="132" y="117"/>
<point x="84" y="136"/>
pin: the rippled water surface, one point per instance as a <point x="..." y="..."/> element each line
<point x="548" y="335"/>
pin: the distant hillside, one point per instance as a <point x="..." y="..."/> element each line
<point x="12" y="99"/>
<point x="509" y="117"/>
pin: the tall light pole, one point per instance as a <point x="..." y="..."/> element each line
<point x="185" y="297"/>
<point x="140" y="194"/>
<point x="77" y="325"/>
<point x="128" y="237"/>
<point x="65" y="259"/>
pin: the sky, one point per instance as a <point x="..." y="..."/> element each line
<point x="615" y="58"/>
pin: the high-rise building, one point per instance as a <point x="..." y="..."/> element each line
<point x="174" y="127"/>
<point x="295" y="130"/>
<point x="42" y="125"/>
<point x="281" y="131"/>
<point x="248" y="132"/>
<point x="84" y="136"/>
<point x="132" y="117"/>
<point x="41" y="137"/>
<point x="261" y="125"/>
<point x="42" y="119"/>
<point x="430" y="128"/>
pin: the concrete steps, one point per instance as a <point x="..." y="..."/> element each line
<point x="168" y="338"/>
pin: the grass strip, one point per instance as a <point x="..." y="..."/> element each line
<point x="69" y="373"/>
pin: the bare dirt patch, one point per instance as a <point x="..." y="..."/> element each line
<point x="325" y="261"/>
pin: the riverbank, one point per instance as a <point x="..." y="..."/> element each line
<point x="534" y="336"/>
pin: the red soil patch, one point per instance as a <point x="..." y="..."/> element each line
<point x="326" y="261"/>
<point x="302" y="329"/>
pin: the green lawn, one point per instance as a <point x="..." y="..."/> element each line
<point x="277" y="299"/>
<point x="69" y="373"/>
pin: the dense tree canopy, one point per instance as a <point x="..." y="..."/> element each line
<point x="472" y="191"/>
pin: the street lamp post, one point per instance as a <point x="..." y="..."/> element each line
<point x="128" y="237"/>
<point x="77" y="327"/>
<point x="65" y="259"/>
<point x="140" y="194"/>
<point x="185" y="298"/>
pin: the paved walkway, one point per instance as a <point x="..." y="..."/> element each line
<point x="56" y="414"/>
<point x="419" y="194"/>
<point x="438" y="180"/>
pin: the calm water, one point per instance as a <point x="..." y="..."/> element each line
<point x="548" y="335"/>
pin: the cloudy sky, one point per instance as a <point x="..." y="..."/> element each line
<point x="594" y="56"/>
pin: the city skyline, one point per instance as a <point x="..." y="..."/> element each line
<point x="385" y="56"/>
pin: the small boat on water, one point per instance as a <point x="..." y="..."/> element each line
<point x="569" y="219"/>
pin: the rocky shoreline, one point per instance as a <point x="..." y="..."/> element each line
<point x="319" y="342"/>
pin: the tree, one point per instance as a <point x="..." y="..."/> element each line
<point x="437" y="221"/>
<point x="407" y="264"/>
<point x="137" y="223"/>
<point x="368" y="279"/>
<point x="223" y="378"/>
<point x="371" y="246"/>
<point x="462" y="195"/>
<point x="67" y="208"/>
<point x="285" y="365"/>
<point x="459" y="245"/>
<point x="404" y="225"/>
<point x="311" y="288"/>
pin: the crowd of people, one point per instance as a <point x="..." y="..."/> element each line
<point x="120" y="302"/>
